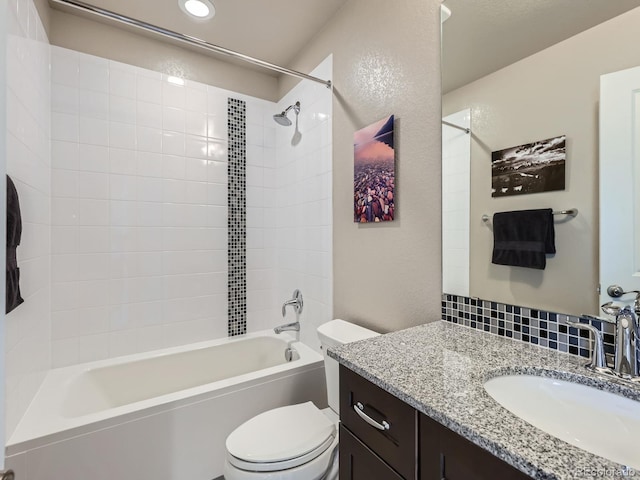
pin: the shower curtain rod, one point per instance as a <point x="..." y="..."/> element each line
<point x="464" y="129"/>
<point x="101" y="12"/>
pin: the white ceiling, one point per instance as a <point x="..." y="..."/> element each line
<point x="271" y="30"/>
<point x="482" y="36"/>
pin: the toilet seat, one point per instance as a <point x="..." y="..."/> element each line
<point x="281" y="439"/>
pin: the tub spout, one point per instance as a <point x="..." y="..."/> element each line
<point x="295" y="326"/>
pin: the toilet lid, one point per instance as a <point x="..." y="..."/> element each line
<point x="281" y="434"/>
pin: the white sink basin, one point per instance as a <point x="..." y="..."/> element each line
<point x="598" y="422"/>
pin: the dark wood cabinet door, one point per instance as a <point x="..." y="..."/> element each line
<point x="397" y="445"/>
<point x="445" y="455"/>
<point x="357" y="462"/>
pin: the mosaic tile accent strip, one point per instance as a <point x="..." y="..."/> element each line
<point x="237" y="217"/>
<point x="538" y="327"/>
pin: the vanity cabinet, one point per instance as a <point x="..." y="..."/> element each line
<point x="383" y="438"/>
<point x="395" y="446"/>
<point x="445" y="455"/>
<point x="358" y="462"/>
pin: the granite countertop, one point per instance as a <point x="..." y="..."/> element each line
<point x="440" y="369"/>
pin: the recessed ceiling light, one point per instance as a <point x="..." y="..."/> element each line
<point x="200" y="9"/>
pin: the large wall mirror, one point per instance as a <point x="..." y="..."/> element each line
<point x="517" y="72"/>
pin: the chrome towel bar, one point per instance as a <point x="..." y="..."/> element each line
<point x="572" y="212"/>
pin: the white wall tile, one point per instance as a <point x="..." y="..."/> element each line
<point x="30" y="108"/>
<point x="149" y="214"/>
<point x="122" y="135"/>
<point x="64" y="99"/>
<point x="64" y="352"/>
<point x="173" y="119"/>
<point x="64" y="324"/>
<point x="64" y="211"/>
<point x="64" y="155"/>
<point x="64" y="67"/>
<point x="196" y="123"/>
<point x="149" y="164"/>
<point x="173" y="143"/>
<point x="93" y="75"/>
<point x="217" y="125"/>
<point x="93" y="347"/>
<point x="93" y="104"/>
<point x="64" y="183"/>
<point x="149" y="139"/>
<point x="149" y="223"/>
<point x="122" y="83"/>
<point x="93" y="212"/>
<point x="195" y="169"/>
<point x="123" y="213"/>
<point x="149" y="115"/>
<point x="149" y="189"/>
<point x="123" y="187"/>
<point x="173" y="95"/>
<point x="64" y="127"/>
<point x="94" y="131"/>
<point x="149" y="89"/>
<point x="64" y="239"/>
<point x="93" y="158"/>
<point x="93" y="321"/>
<point x="217" y="150"/>
<point x="196" y="99"/>
<point x="122" y="109"/>
<point x="93" y="239"/>
<point x="217" y="172"/>
<point x="173" y="167"/>
<point x="93" y="185"/>
<point x="196" y="147"/>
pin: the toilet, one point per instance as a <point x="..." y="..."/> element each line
<point x="296" y="442"/>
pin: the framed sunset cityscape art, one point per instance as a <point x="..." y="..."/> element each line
<point x="374" y="173"/>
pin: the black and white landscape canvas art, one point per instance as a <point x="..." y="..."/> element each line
<point x="531" y="168"/>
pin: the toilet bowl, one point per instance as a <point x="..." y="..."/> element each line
<point x="296" y="442"/>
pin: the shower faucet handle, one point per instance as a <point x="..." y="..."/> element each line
<point x="296" y="302"/>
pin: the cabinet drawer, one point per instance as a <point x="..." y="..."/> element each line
<point x="357" y="462"/>
<point x="397" y="444"/>
<point x="445" y="455"/>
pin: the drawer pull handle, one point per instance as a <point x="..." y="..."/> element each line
<point x="359" y="409"/>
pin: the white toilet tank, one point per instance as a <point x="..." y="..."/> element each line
<point x="335" y="333"/>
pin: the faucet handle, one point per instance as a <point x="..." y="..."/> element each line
<point x="611" y="309"/>
<point x="296" y="302"/>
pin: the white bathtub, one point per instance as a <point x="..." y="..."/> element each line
<point x="162" y="415"/>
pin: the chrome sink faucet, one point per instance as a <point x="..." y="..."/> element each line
<point x="297" y="303"/>
<point x="627" y="344"/>
<point x="627" y="358"/>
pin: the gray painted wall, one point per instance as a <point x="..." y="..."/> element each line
<point x="386" y="61"/>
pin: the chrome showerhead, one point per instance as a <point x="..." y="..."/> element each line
<point x="282" y="118"/>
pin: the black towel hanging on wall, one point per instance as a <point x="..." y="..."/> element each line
<point x="523" y="238"/>
<point x="14" y="233"/>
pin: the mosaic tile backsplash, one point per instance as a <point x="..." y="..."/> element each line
<point x="538" y="327"/>
<point x="237" y="219"/>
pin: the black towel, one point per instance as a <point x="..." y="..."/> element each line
<point x="14" y="233"/>
<point x="522" y="238"/>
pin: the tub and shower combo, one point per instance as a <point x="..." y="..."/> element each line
<point x="160" y="415"/>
